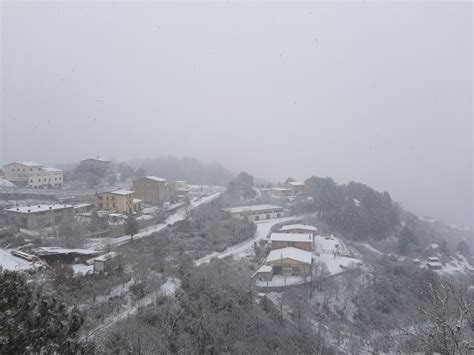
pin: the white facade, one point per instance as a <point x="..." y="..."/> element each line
<point x="257" y="212"/>
<point x="33" y="175"/>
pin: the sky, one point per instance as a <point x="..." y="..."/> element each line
<point x="374" y="92"/>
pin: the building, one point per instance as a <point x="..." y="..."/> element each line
<point x="280" y="192"/>
<point x="299" y="228"/>
<point x="296" y="187"/>
<point x="264" y="273"/>
<point x="53" y="255"/>
<point x="95" y="163"/>
<point x="107" y="262"/>
<point x="121" y="201"/>
<point x="154" y="189"/>
<point x="33" y="175"/>
<point x="285" y="240"/>
<point x="256" y="212"/>
<point x="83" y="207"/>
<point x="290" y="261"/>
<point x="39" y="216"/>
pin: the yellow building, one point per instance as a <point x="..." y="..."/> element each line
<point x="290" y="261"/>
<point x="121" y="201"/>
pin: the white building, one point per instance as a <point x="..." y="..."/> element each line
<point x="256" y="212"/>
<point x="33" y="174"/>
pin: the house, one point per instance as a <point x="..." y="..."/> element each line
<point x="256" y="212"/>
<point x="33" y="175"/>
<point x="264" y="273"/>
<point x="154" y="189"/>
<point x="290" y="261"/>
<point x="296" y="187"/>
<point x="299" y="241"/>
<point x="299" y="228"/>
<point x="280" y="192"/>
<point x="107" y="262"/>
<point x="39" y="216"/>
<point x="121" y="201"/>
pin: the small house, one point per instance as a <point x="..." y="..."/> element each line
<point x="107" y="262"/>
<point x="297" y="240"/>
<point x="264" y="273"/>
<point x="290" y="261"/>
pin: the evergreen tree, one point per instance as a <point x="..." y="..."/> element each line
<point x="31" y="322"/>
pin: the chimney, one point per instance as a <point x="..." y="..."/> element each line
<point x="50" y="207"/>
<point x="29" y="210"/>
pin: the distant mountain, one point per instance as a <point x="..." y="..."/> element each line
<point x="191" y="170"/>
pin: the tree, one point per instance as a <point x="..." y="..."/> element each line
<point x="406" y="238"/>
<point x="131" y="227"/>
<point x="31" y="322"/>
<point x="463" y="249"/>
<point x="71" y="234"/>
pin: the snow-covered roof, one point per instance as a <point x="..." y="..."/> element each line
<point x="59" y="250"/>
<point x="136" y="200"/>
<point x="252" y="208"/>
<point x="52" y="170"/>
<point x="291" y="237"/>
<point x="265" y="268"/>
<point x="433" y="258"/>
<point x="82" y="205"/>
<point x="279" y="189"/>
<point x="37" y="208"/>
<point x="299" y="226"/>
<point x="296" y="183"/>
<point x="290" y="253"/>
<point x="107" y="256"/>
<point x="122" y="192"/>
<point x="154" y="178"/>
<point x="26" y="163"/>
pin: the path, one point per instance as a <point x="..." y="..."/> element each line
<point x="246" y="247"/>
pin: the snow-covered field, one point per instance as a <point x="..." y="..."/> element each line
<point x="10" y="262"/>
<point x="245" y="248"/>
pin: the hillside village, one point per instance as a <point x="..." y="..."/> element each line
<point x="115" y="244"/>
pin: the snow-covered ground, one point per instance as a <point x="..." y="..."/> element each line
<point x="337" y="264"/>
<point x="6" y="183"/>
<point x="81" y="269"/>
<point x="245" y="248"/>
<point x="167" y="289"/>
<point x="101" y="243"/>
<point x="10" y="262"/>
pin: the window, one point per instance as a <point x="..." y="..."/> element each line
<point x="113" y="205"/>
<point x="101" y="205"/>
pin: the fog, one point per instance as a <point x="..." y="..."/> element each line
<point x="373" y="92"/>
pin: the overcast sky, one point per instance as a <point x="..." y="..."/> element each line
<point x="373" y="92"/>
